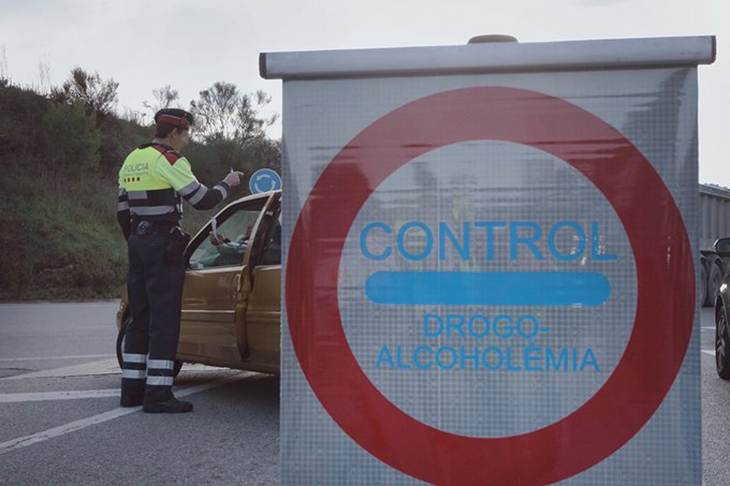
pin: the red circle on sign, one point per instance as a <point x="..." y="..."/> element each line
<point x="665" y="283"/>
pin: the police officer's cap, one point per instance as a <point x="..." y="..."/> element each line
<point x="175" y="117"/>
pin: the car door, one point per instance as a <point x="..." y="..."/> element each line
<point x="216" y="259"/>
<point x="262" y="292"/>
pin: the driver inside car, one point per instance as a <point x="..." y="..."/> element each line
<point x="229" y="252"/>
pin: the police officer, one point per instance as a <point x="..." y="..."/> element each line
<point x="153" y="181"/>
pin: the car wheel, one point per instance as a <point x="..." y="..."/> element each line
<point x="714" y="283"/>
<point x="120" y="340"/>
<point x="704" y="298"/>
<point x="722" y="343"/>
<point x="120" y="348"/>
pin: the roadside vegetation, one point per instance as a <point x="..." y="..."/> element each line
<point x="60" y="152"/>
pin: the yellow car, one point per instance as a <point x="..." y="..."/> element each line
<point x="231" y="307"/>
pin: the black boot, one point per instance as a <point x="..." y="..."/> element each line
<point x="172" y="405"/>
<point x="131" y="401"/>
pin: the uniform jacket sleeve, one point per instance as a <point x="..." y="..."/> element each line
<point x="123" y="214"/>
<point x="176" y="170"/>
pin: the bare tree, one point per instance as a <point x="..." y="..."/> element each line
<point x="164" y="97"/>
<point x="215" y="110"/>
<point x="4" y="72"/>
<point x="223" y="112"/>
<point x="250" y="125"/>
<point x="134" y="116"/>
<point x="44" y="74"/>
<point x="93" y="92"/>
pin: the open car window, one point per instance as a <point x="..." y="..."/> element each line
<point x="272" y="252"/>
<point x="228" y="244"/>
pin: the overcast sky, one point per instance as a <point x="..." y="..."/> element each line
<point x="192" y="44"/>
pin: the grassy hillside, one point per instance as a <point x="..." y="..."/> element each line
<point x="58" y="166"/>
<point x="60" y="236"/>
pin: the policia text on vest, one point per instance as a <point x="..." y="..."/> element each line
<point x="153" y="181"/>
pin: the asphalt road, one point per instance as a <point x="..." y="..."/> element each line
<point x="715" y="410"/>
<point x="61" y="424"/>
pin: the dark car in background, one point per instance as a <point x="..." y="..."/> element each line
<point x="722" y="304"/>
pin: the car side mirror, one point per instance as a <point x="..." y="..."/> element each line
<point x="722" y="247"/>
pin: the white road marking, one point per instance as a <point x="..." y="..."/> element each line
<point x="49" y="358"/>
<point x="75" y="395"/>
<point x="21" y="442"/>
<point x="103" y="367"/>
<point x="711" y="352"/>
<point x="57" y="395"/>
<point x="58" y="304"/>
<point x="200" y="367"/>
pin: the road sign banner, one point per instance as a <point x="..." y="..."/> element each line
<point x="489" y="278"/>
<point x="264" y="180"/>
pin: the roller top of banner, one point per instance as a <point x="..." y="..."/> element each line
<point x="491" y="57"/>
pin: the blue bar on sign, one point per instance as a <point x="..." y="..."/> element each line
<point x="488" y="288"/>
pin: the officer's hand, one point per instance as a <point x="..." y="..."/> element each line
<point x="233" y="178"/>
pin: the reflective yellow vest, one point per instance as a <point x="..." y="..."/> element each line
<point x="153" y="181"/>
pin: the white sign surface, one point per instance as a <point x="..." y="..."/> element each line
<point x="489" y="277"/>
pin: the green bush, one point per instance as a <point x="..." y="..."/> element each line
<point x="21" y="113"/>
<point x="60" y="162"/>
<point x="70" y="139"/>
<point x="118" y="139"/>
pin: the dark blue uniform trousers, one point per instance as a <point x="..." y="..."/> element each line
<point x="155" y="290"/>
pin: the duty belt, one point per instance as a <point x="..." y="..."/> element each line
<point x="159" y="202"/>
<point x="160" y="223"/>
